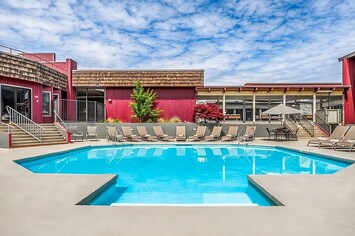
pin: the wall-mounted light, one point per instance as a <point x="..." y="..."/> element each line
<point x="110" y="100"/>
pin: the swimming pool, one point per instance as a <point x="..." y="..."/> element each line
<point x="182" y="174"/>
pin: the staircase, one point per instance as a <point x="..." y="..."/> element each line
<point x="306" y="128"/>
<point x="50" y="136"/>
<point x="303" y="133"/>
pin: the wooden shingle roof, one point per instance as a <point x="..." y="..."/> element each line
<point x="148" y="78"/>
<point x="18" y="67"/>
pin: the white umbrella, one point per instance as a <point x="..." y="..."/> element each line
<point x="282" y="110"/>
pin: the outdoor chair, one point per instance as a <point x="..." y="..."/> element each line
<point x="249" y="134"/>
<point x="180" y="133"/>
<point x="91" y="132"/>
<point x="348" y="141"/>
<point x="127" y="133"/>
<point x="331" y="142"/>
<point x="338" y="133"/>
<point x="215" y="135"/>
<point x="75" y="133"/>
<point x="200" y="134"/>
<point x="142" y="131"/>
<point x="292" y="135"/>
<point x="271" y="133"/>
<point x="232" y="134"/>
<point x="113" y="135"/>
<point x="160" y="134"/>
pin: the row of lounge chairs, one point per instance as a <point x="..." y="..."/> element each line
<point x="343" y="137"/>
<point x="113" y="134"/>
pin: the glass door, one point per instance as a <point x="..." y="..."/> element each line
<point x="17" y="98"/>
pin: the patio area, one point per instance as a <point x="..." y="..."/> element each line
<point x="44" y="204"/>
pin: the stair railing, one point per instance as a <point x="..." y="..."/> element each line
<point x="290" y="125"/>
<point x="323" y="124"/>
<point x="306" y="124"/>
<point x="59" y="120"/>
<point x="10" y="128"/>
<point x="25" y="124"/>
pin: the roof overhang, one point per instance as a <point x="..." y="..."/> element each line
<point x="269" y="88"/>
<point x="350" y="55"/>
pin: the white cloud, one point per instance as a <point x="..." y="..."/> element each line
<point x="234" y="41"/>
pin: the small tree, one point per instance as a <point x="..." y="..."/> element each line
<point x="143" y="103"/>
<point x="208" y="112"/>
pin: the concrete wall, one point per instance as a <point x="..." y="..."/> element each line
<point x="4" y="140"/>
<point x="170" y="128"/>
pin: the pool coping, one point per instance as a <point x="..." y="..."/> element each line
<point x="97" y="192"/>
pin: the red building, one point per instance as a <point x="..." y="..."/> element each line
<point x="35" y="84"/>
<point x="348" y="70"/>
<point x="176" y="90"/>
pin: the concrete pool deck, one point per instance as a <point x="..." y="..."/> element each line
<point x="44" y="204"/>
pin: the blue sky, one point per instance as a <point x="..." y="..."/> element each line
<point x="234" y="41"/>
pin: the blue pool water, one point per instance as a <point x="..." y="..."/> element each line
<point x="182" y="174"/>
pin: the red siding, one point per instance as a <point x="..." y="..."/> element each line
<point x="117" y="103"/>
<point x="178" y="102"/>
<point x="174" y="101"/>
<point x="349" y="101"/>
<point x="70" y="94"/>
<point x="40" y="56"/>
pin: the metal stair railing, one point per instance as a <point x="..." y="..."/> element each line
<point x="323" y="125"/>
<point x="10" y="128"/>
<point x="59" y="120"/>
<point x="306" y="124"/>
<point x="291" y="125"/>
<point x="25" y="124"/>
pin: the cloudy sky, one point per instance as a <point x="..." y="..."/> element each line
<point x="234" y="41"/>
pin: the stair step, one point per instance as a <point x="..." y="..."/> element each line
<point x="30" y="138"/>
<point x="38" y="144"/>
<point x="36" y="141"/>
<point x="50" y="136"/>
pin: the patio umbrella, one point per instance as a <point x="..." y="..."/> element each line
<point x="282" y="110"/>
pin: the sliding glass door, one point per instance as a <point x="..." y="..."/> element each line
<point x="16" y="97"/>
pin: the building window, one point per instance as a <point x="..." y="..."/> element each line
<point x="46" y="104"/>
<point x="90" y="104"/>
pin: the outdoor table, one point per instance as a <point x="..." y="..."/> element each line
<point x="281" y="132"/>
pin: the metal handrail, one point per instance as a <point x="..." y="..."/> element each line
<point x="291" y="125"/>
<point x="323" y="124"/>
<point x="307" y="125"/>
<point x="10" y="128"/>
<point x="57" y="117"/>
<point x="19" y="53"/>
<point x="25" y="124"/>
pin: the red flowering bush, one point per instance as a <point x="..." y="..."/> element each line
<point x="208" y="112"/>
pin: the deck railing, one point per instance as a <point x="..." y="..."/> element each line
<point x="82" y="111"/>
<point x="25" y="124"/>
